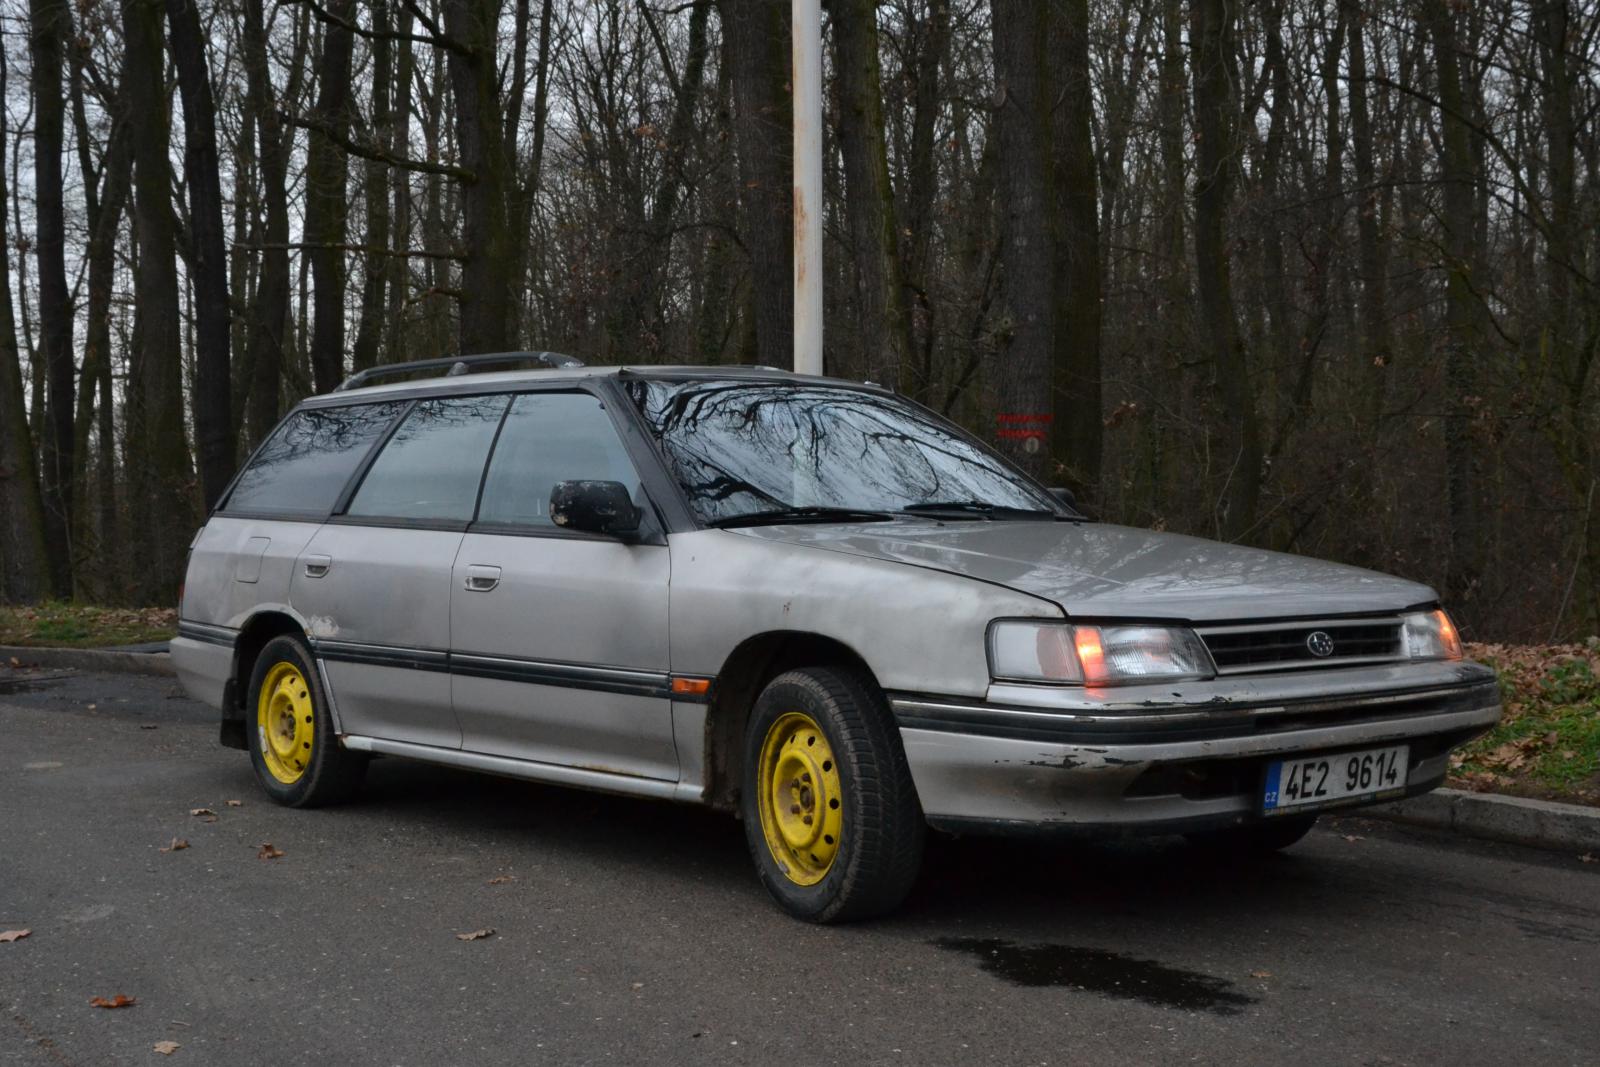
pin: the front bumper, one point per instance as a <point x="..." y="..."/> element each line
<point x="1189" y="757"/>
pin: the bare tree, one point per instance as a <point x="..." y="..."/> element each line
<point x="50" y="26"/>
<point x="212" y="394"/>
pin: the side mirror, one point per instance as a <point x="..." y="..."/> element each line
<point x="1066" y="496"/>
<point x="595" y="507"/>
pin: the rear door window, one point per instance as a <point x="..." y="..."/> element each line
<point x="429" y="471"/>
<point x="550" y="438"/>
<point x="304" y="465"/>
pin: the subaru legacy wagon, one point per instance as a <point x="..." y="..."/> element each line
<point x="809" y="602"/>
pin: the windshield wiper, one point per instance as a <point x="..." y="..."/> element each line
<point x="779" y="516"/>
<point x="979" y="509"/>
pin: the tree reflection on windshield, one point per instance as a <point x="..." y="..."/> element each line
<point x="740" y="448"/>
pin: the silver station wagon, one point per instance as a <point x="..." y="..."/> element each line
<point x="807" y="601"/>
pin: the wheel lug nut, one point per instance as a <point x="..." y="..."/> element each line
<point x="806" y="820"/>
<point x="794" y="809"/>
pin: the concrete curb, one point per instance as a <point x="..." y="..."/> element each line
<point x="89" y="659"/>
<point x="1540" y="823"/>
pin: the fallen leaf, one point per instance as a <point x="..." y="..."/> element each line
<point x="235" y="803"/>
<point x="1353" y="838"/>
<point x="178" y="845"/>
<point x="1260" y="974"/>
<point x="502" y="879"/>
<point x="18" y="935"/>
<point x="118" y="1001"/>
<point x="268" y="852"/>
<point x="476" y="935"/>
<point x="1587" y="857"/>
<point x="16" y="664"/>
<point x="166" y="1048"/>
<point x="201" y="811"/>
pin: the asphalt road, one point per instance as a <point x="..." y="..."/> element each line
<point x="635" y="932"/>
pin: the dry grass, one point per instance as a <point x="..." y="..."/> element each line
<point x="60" y="625"/>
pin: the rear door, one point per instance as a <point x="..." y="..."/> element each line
<point x="559" y="638"/>
<point x="374" y="583"/>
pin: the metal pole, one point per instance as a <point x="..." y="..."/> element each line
<point x="806" y="19"/>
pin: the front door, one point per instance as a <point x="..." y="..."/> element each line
<point x="559" y="638"/>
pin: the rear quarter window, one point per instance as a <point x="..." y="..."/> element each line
<point x="306" y="463"/>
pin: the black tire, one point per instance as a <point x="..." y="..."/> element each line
<point x="882" y="829"/>
<point x="1256" y="839"/>
<point x="332" y="773"/>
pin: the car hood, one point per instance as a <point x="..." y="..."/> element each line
<point x="1095" y="569"/>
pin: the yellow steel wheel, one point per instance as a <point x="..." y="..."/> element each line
<point x="286" y="722"/>
<point x="799" y="798"/>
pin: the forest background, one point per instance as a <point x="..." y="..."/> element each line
<point x="1313" y="275"/>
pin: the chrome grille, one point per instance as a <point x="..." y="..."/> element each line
<point x="1282" y="646"/>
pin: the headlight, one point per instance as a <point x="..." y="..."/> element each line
<point x="1095" y="655"/>
<point x="1430" y="635"/>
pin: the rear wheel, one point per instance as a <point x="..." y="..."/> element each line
<point x="293" y="747"/>
<point x="830" y="812"/>
<point x="1257" y="839"/>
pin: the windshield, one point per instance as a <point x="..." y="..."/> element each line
<point x="744" y="448"/>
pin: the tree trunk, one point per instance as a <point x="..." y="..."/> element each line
<point x="526" y="191"/>
<point x="1237" y="484"/>
<point x="213" y="379"/>
<point x="1076" y="444"/>
<point x="269" y="312"/>
<point x="375" y="194"/>
<point x="869" y="195"/>
<point x="1573" y="359"/>
<point x="50" y="27"/>
<point x="96" y="568"/>
<point x="24" y="561"/>
<point x="327" y="171"/>
<point x="922" y="185"/>
<point x="161" y="480"/>
<point x="756" y="33"/>
<point x="486" y="270"/>
<point x="680" y="141"/>
<point x="1023" y="123"/>
<point x="1374" y="267"/>
<point x="1461" y="335"/>
<point x="399" y="267"/>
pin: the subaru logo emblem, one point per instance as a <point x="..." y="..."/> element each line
<point x="1319" y="643"/>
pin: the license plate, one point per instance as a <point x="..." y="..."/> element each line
<point x="1321" y="781"/>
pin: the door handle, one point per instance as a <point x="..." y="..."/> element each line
<point x="481" y="578"/>
<point x="317" y="566"/>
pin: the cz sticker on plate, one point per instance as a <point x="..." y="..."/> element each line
<point x="1321" y="781"/>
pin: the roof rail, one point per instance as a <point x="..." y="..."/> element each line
<point x="454" y="365"/>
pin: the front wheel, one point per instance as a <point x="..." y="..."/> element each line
<point x="1256" y="839"/>
<point x="293" y="746"/>
<point x="830" y="812"/>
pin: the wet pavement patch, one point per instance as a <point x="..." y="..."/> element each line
<point x="24" y="684"/>
<point x="1095" y="970"/>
